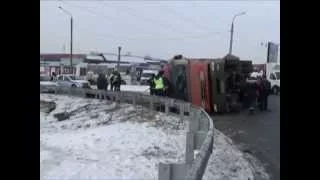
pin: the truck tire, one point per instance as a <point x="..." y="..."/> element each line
<point x="275" y="90"/>
<point x="73" y="86"/>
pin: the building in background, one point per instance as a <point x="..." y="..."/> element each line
<point x="59" y="63"/>
<point x="83" y="63"/>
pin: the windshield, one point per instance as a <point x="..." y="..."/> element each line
<point x="72" y="77"/>
<point x="278" y="75"/>
<point x="147" y="74"/>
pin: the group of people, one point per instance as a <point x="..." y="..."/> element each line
<point x="256" y="94"/>
<point x="115" y="81"/>
<point x="159" y="85"/>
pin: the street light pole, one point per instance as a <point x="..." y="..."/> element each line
<point x="231" y="31"/>
<point x="119" y="56"/>
<point x="71" y="36"/>
<point x="71" y="43"/>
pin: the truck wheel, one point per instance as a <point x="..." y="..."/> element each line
<point x="275" y="90"/>
<point x="73" y="86"/>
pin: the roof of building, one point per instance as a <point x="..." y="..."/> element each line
<point x="57" y="56"/>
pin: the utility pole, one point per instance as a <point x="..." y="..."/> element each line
<point x="231" y="31"/>
<point x="231" y="39"/>
<point x="71" y="35"/>
<point x="119" y="54"/>
<point x="71" y="44"/>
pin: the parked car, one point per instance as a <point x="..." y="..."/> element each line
<point x="72" y="81"/>
<point x="47" y="86"/>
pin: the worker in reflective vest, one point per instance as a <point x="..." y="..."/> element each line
<point x="159" y="84"/>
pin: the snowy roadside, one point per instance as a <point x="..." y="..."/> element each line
<point x="228" y="162"/>
<point x="100" y="140"/>
<point x="132" y="88"/>
<point x="103" y="141"/>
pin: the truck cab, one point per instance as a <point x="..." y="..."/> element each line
<point x="273" y="76"/>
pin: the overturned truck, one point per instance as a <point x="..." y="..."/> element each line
<point x="213" y="84"/>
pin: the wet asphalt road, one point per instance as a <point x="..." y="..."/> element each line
<point x="257" y="134"/>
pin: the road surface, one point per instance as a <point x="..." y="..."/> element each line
<point x="257" y="134"/>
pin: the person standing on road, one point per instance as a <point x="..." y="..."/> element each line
<point x="259" y="90"/>
<point x="151" y="84"/>
<point x="159" y="85"/>
<point x="265" y="92"/>
<point x="251" y="94"/>
<point x="111" y="81"/>
<point x="117" y="81"/>
<point x="102" y="83"/>
<point x="167" y="86"/>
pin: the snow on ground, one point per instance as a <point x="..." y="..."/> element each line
<point x="103" y="141"/>
<point x="46" y="83"/>
<point x="133" y="88"/>
<point x="228" y="162"/>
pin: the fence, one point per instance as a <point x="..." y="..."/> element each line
<point x="199" y="136"/>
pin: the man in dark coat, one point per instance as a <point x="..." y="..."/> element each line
<point x="117" y="80"/>
<point x="264" y="93"/>
<point x="151" y="84"/>
<point x="250" y="94"/>
<point x="102" y="83"/>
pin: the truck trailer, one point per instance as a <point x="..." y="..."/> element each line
<point x="213" y="84"/>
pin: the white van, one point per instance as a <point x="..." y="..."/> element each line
<point x="146" y="75"/>
<point x="273" y="75"/>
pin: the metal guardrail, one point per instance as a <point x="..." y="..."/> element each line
<point x="199" y="136"/>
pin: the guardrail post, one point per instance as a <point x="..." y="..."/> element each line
<point x="188" y="108"/>
<point x="119" y="96"/>
<point x="164" y="172"/>
<point x="194" y="120"/>
<point x="151" y="105"/>
<point x="181" y="110"/>
<point x="190" y="148"/>
<point x="134" y="100"/>
<point x="166" y="104"/>
<point x="117" y="99"/>
<point x="203" y="123"/>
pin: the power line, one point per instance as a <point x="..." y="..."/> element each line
<point x="157" y="22"/>
<point x="184" y="18"/>
<point x="133" y="12"/>
<point x="152" y="37"/>
<point x="97" y="13"/>
<point x="89" y="11"/>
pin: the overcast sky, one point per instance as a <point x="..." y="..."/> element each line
<point x="161" y="28"/>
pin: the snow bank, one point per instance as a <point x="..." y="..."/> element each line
<point x="102" y="141"/>
<point x="132" y="88"/>
<point x="135" y="88"/>
<point x="228" y="162"/>
<point x="48" y="83"/>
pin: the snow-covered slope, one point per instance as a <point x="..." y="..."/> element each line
<point x="102" y="141"/>
<point x="228" y="162"/>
